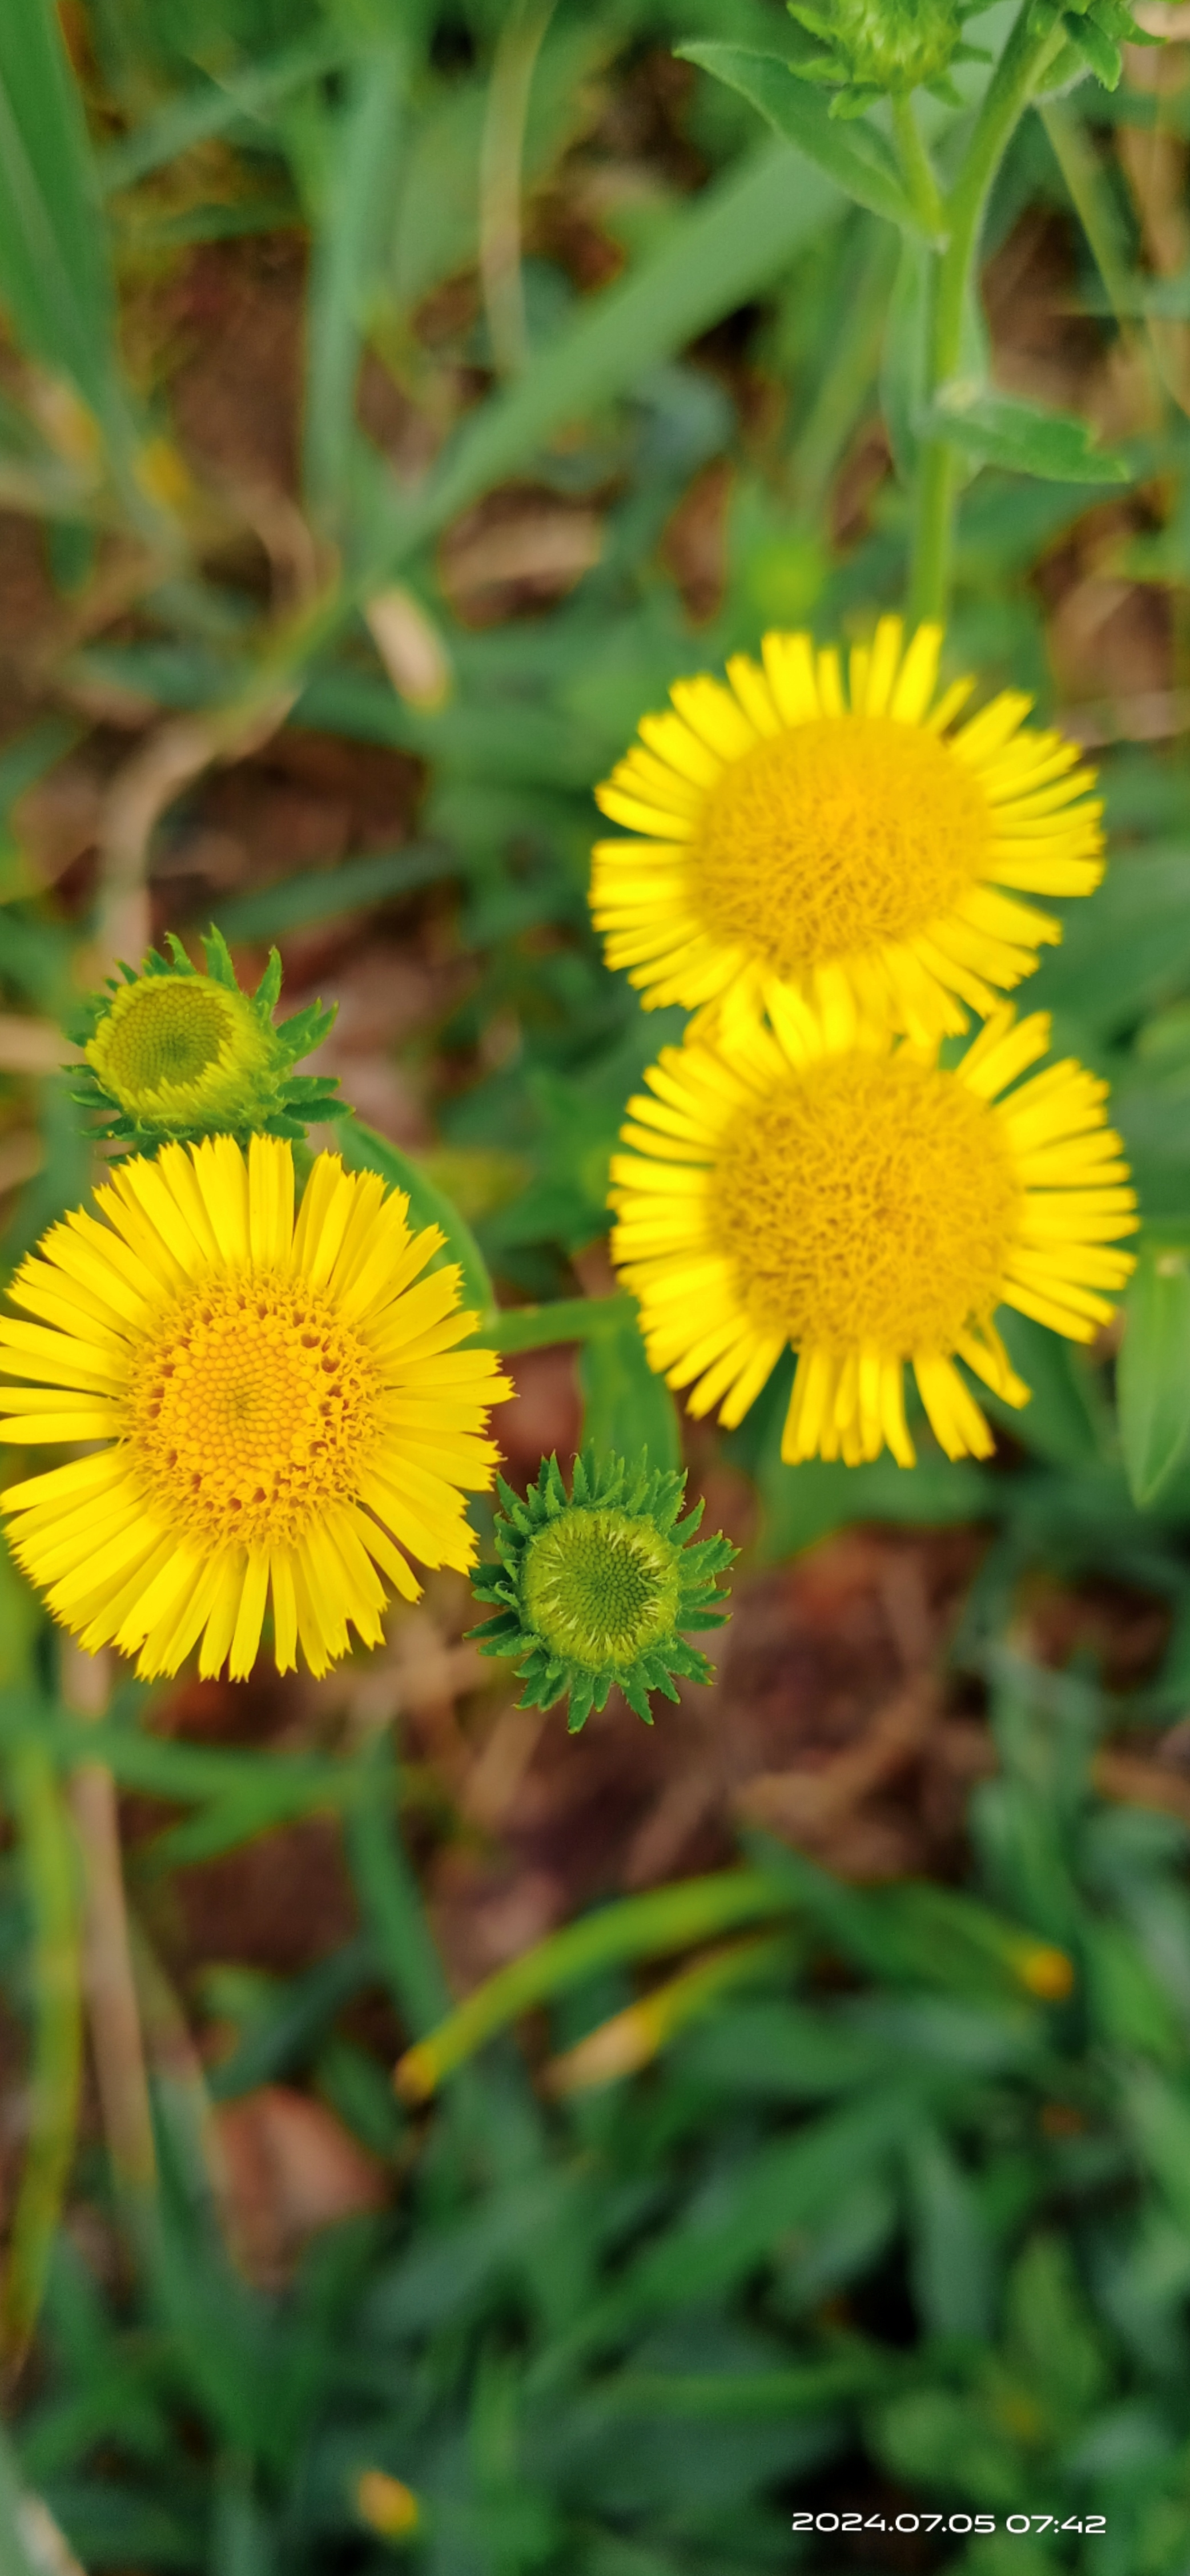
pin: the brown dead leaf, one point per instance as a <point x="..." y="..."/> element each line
<point x="290" y="2168"/>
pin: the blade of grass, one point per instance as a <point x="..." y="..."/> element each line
<point x="731" y="242"/>
<point x="322" y="894"/>
<point x="637" y="1927"/>
<point x="389" y="1895"/>
<point x="213" y="105"/>
<point x="363" y="163"/>
<point x="50" y="1862"/>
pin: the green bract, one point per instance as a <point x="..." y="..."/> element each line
<point x="172" y="1053"/>
<point x="1095" y="29"/>
<point x="597" y="1586"/>
<point x="877" y="48"/>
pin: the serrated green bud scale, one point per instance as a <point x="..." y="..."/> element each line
<point x="173" y="1055"/>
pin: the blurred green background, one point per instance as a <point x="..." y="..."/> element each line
<point x="394" y="399"/>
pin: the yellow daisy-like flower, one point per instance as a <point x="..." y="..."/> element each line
<point x="847" y="847"/>
<point x="844" y="1193"/>
<point x="285" y="1410"/>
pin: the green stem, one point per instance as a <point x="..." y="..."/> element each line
<point x="917" y="168"/>
<point x="567" y="1319"/>
<point x="1008" y="94"/>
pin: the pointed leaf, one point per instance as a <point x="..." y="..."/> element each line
<point x="1154" y="1371"/>
<point x="855" y="155"/>
<point x="996" y="429"/>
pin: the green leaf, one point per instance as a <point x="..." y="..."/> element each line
<point x="996" y="429"/>
<point x="1130" y="945"/>
<point x="855" y="155"/>
<point x="363" y="160"/>
<point x="54" y="277"/>
<point x="325" y="894"/>
<point x="211" y="106"/>
<point x="626" y="1407"/>
<point x="635" y="1927"/>
<point x="1067" y="1420"/>
<point x="734" y="238"/>
<point x="364" y="1151"/>
<point x="791" y="2185"/>
<point x="952" y="2266"/>
<point x="1154" y="1371"/>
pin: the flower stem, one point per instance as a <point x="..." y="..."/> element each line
<point x="917" y="167"/>
<point x="1008" y="94"/>
<point x="566" y="1319"/>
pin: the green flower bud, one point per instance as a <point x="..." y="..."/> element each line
<point x="172" y="1053"/>
<point x="597" y="1586"/>
<point x="880" y="47"/>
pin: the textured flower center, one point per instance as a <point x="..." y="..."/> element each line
<point x="251" y="1407"/>
<point x="837" y="836"/>
<point x="600" y="1587"/>
<point x="167" y="1032"/>
<point x="872" y="1202"/>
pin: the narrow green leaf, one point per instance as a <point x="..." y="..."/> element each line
<point x="323" y="894"/>
<point x="626" y="1406"/>
<point x="364" y="1151"/>
<point x="389" y="1896"/>
<point x="50" y="1864"/>
<point x="996" y="429"/>
<point x="736" y="237"/>
<point x="1154" y="1371"/>
<point x="211" y="106"/>
<point x="363" y="161"/>
<point x="952" y="2262"/>
<point x="54" y="277"/>
<point x="636" y="1927"/>
<point x="855" y="155"/>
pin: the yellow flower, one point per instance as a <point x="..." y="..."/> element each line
<point x="284" y="1410"/>
<point x="844" y="1193"/>
<point x="843" y="851"/>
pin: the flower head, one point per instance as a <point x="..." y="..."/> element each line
<point x="173" y="1053"/>
<point x="597" y="1586"/>
<point x="853" y="850"/>
<point x="843" y="1194"/>
<point x="882" y="47"/>
<point x="283" y="1410"/>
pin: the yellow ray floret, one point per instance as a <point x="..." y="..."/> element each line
<point x="846" y="846"/>
<point x="827" y="1187"/>
<point x="283" y="1401"/>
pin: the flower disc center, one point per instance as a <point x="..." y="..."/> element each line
<point x="250" y="1408"/>
<point x="167" y="1033"/>
<point x="836" y="836"/>
<point x="600" y="1587"/>
<point x="872" y="1202"/>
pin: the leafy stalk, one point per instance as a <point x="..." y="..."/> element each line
<point x="1008" y="94"/>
